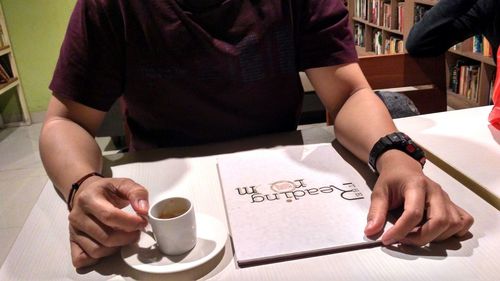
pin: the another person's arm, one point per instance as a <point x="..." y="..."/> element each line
<point x="361" y="119"/>
<point x="98" y="226"/>
<point x="446" y="24"/>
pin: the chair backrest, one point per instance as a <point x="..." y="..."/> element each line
<point x="423" y="80"/>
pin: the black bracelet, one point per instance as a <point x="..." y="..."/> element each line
<point x="76" y="185"/>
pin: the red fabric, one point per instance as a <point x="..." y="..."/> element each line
<point x="494" y="117"/>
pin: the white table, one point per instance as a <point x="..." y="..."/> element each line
<point x="462" y="143"/>
<point x="41" y="251"/>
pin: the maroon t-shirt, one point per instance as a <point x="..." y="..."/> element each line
<point x="197" y="77"/>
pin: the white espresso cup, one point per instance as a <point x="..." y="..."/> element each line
<point x="174" y="225"/>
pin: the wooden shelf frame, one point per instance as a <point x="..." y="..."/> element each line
<point x="14" y="82"/>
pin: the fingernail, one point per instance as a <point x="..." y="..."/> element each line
<point x="143" y="204"/>
<point x="369" y="224"/>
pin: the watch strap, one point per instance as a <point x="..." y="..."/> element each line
<point x="399" y="141"/>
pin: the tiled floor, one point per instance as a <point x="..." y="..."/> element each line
<point x="22" y="178"/>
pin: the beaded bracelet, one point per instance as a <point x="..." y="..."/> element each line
<point x="76" y="185"/>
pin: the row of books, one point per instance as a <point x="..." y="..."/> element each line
<point x="464" y="80"/>
<point x="477" y="44"/>
<point x="481" y="45"/>
<point x="380" y="12"/>
<point x="5" y="69"/>
<point x="388" y="45"/>
<point x="394" y="45"/>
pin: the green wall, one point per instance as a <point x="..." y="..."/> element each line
<point x="36" y="29"/>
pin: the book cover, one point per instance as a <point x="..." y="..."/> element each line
<point x="293" y="202"/>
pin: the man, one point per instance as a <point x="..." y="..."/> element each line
<point x="193" y="72"/>
<point x="450" y="22"/>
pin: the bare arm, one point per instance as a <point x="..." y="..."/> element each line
<point x="360" y="120"/>
<point x="97" y="225"/>
<point x="67" y="145"/>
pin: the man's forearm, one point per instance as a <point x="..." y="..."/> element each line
<point x="68" y="152"/>
<point x="361" y="122"/>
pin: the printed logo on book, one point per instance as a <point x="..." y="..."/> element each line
<point x="297" y="190"/>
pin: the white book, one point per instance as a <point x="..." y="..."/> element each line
<point x="292" y="202"/>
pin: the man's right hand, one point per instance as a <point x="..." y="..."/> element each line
<point x="97" y="225"/>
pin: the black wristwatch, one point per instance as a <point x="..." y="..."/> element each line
<point x="399" y="141"/>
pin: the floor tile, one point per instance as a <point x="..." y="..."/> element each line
<point x="7" y="238"/>
<point x="19" y="195"/>
<point x="19" y="147"/>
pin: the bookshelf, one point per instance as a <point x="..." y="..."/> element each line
<point x="381" y="27"/>
<point x="473" y="69"/>
<point x="9" y="76"/>
<point x="378" y="26"/>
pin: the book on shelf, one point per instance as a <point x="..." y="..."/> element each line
<point x="378" y="48"/>
<point x="360" y="9"/>
<point x="454" y="76"/>
<point x="375" y="11"/>
<point x="464" y="80"/>
<point x="400" y="16"/>
<point x="359" y="34"/>
<point x="293" y="202"/>
<point x="387" y="15"/>
<point x="476" y="44"/>
<point x="487" y="51"/>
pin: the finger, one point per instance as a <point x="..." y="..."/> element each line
<point x="136" y="194"/>
<point x="103" y="234"/>
<point x="110" y="215"/>
<point x="92" y="248"/>
<point x="116" y="218"/>
<point x="467" y="221"/>
<point x="378" y="211"/>
<point x="79" y="257"/>
<point x="437" y="221"/>
<point x="455" y="220"/>
<point x="412" y="215"/>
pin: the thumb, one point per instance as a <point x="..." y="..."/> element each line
<point x="378" y="211"/>
<point x="136" y="194"/>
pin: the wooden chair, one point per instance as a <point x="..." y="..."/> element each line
<point x="423" y="80"/>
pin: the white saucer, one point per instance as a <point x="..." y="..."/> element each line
<point x="146" y="256"/>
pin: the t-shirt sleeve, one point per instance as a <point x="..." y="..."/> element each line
<point x="324" y="36"/>
<point x="90" y="68"/>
